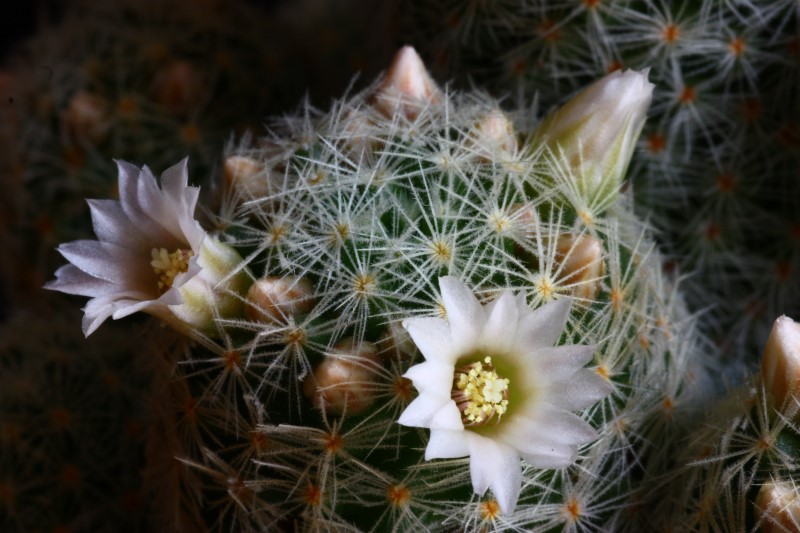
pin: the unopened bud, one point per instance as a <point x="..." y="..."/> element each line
<point x="407" y="87"/>
<point x="344" y="380"/>
<point x="778" y="507"/>
<point x="580" y="259"/>
<point x="86" y="117"/>
<point x="178" y="87"/>
<point x="248" y="177"/>
<point x="595" y="132"/>
<point x="494" y="137"/>
<point x="780" y="365"/>
<point x="273" y="299"/>
<point x="358" y="137"/>
<point x="216" y="290"/>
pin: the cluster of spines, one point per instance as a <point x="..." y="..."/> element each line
<point x="347" y="218"/>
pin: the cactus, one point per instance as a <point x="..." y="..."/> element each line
<point x="404" y="224"/>
<point x="72" y="425"/>
<point x="716" y="167"/>
<point x="737" y="471"/>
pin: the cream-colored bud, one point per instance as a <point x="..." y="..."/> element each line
<point x="86" y="117"/>
<point x="780" y="365"/>
<point x="216" y="291"/>
<point x="178" y="87"/>
<point x="408" y="86"/>
<point x="778" y="507"/>
<point x="580" y="260"/>
<point x="273" y="299"/>
<point x="359" y="139"/>
<point x="596" y="131"/>
<point x="344" y="381"/>
<point x="494" y="137"/>
<point x="250" y="178"/>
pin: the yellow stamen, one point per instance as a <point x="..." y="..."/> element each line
<point x="480" y="393"/>
<point x="169" y="265"/>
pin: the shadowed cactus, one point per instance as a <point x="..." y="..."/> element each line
<point x="737" y="470"/>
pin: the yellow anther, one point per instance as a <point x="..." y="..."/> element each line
<point x="480" y="393"/>
<point x="169" y="265"/>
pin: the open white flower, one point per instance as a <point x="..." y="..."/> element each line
<point x="494" y="388"/>
<point x="151" y="255"/>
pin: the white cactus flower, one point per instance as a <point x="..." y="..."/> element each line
<point x="151" y="255"/>
<point x="596" y="131"/>
<point x="494" y="388"/>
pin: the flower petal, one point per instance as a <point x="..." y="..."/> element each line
<point x="143" y="214"/>
<point x="109" y="262"/>
<point x="421" y="411"/>
<point x="432" y="337"/>
<point x="580" y="391"/>
<point x="96" y="311"/>
<point x="111" y="224"/>
<point x="557" y="363"/>
<point x="431" y="376"/>
<point x="556" y="459"/>
<point x="496" y="465"/>
<point x="540" y="447"/>
<point x="175" y="181"/>
<point x="501" y="324"/>
<point x="558" y="425"/>
<point x="464" y="312"/>
<point x="72" y="280"/>
<point x="157" y="204"/>
<point x="448" y="417"/>
<point x="447" y="444"/>
<point x="543" y="326"/>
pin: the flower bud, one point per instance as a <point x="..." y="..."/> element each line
<point x="359" y="138"/>
<point x="178" y="87"/>
<point x="343" y="381"/>
<point x="86" y="117"/>
<point x="494" y="137"/>
<point x="247" y="176"/>
<point x="215" y="291"/>
<point x="408" y="86"/>
<point x="780" y="365"/>
<point x="580" y="259"/>
<point x="778" y="507"/>
<point x="272" y="299"/>
<point x="596" y="131"/>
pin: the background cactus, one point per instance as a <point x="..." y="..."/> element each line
<point x="716" y="168"/>
<point x="72" y="424"/>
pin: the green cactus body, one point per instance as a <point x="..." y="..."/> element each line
<point x="295" y="419"/>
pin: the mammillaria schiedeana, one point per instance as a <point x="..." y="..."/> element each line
<point x="408" y="233"/>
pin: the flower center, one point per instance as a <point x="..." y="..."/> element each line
<point x="480" y="393"/>
<point x="168" y="265"/>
